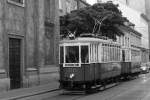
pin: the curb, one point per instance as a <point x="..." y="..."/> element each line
<point x="28" y="92"/>
<point x="25" y="96"/>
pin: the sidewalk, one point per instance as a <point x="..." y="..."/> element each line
<point x="12" y="95"/>
<point x="48" y="79"/>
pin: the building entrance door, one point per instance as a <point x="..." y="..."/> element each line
<point x="15" y="63"/>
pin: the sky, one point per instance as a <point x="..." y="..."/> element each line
<point x="91" y="1"/>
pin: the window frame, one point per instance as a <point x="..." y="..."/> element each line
<point x="100" y="50"/>
<point x="88" y="45"/>
<point x="63" y="54"/>
<point x="17" y="3"/>
<point x="110" y="53"/>
<point x="68" y="6"/>
<point x="94" y="53"/>
<point x="60" y="5"/>
<point x="74" y="44"/>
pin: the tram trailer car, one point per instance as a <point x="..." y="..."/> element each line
<point x="131" y="62"/>
<point x="130" y="69"/>
<point x="87" y="62"/>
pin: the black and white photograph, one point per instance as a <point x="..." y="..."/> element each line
<point x="74" y="49"/>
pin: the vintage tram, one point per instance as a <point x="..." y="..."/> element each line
<point x="86" y="62"/>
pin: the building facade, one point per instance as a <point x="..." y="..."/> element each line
<point x="142" y="6"/>
<point x="131" y="43"/>
<point x="147" y="8"/>
<point x="66" y="6"/>
<point x="29" y="32"/>
<point x="136" y="16"/>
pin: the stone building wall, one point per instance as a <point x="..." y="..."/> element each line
<point x="66" y="6"/>
<point x="28" y="23"/>
<point x="52" y="32"/>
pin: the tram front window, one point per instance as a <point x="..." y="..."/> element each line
<point x="72" y="54"/>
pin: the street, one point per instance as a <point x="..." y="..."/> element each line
<point x="137" y="89"/>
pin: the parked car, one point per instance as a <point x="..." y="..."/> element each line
<point x="148" y="64"/>
<point x="144" y="68"/>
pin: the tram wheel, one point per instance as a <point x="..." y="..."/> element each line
<point x="88" y="89"/>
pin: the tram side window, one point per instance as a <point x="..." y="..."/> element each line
<point x="102" y="52"/>
<point x="110" y="53"/>
<point x="61" y="55"/>
<point x="127" y="55"/>
<point x="92" y="52"/>
<point x="115" y="53"/>
<point x="72" y="54"/>
<point x="105" y="54"/>
<point x="99" y="52"/>
<point x="84" y="54"/>
<point x="135" y="55"/>
<point x="118" y="53"/>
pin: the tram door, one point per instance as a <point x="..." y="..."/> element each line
<point x="123" y="55"/>
<point x="15" y="63"/>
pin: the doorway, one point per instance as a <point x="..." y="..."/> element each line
<point x="15" y="63"/>
<point x="123" y="55"/>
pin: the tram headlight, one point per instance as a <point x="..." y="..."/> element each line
<point x="143" y="68"/>
<point x="71" y="76"/>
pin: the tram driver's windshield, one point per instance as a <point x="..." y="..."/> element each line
<point x="72" y="54"/>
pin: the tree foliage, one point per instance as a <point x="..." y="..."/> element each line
<point x="100" y="19"/>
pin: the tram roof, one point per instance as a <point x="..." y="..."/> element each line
<point x="88" y="40"/>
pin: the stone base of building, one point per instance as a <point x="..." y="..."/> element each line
<point x="32" y="78"/>
<point x="4" y="81"/>
<point x="43" y="76"/>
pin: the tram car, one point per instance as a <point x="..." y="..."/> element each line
<point x="87" y="61"/>
<point x="131" y="61"/>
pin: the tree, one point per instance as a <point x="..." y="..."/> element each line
<point x="100" y="19"/>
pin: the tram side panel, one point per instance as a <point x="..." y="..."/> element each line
<point x="110" y="70"/>
<point x="135" y="67"/>
<point x="97" y="72"/>
<point x="130" y="69"/>
<point x="125" y="69"/>
<point x="92" y="72"/>
<point x="89" y="72"/>
<point x="135" y="61"/>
